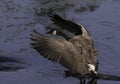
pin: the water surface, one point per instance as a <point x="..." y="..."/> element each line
<point x="18" y="19"/>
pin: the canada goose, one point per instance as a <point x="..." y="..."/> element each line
<point x="76" y="54"/>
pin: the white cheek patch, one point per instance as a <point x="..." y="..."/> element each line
<point x="91" y="67"/>
<point x="54" y="32"/>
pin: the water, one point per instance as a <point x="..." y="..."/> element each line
<point x="18" y="19"/>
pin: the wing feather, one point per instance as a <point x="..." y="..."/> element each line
<point x="58" y="50"/>
<point x="65" y="24"/>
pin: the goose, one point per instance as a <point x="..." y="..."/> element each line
<point x="77" y="54"/>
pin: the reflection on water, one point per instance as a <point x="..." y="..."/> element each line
<point x="63" y="5"/>
<point x="10" y="64"/>
<point x="78" y="5"/>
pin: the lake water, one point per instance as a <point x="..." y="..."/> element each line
<point x="18" y="19"/>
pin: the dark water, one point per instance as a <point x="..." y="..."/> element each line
<point x="18" y="18"/>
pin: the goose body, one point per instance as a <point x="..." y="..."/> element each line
<point x="77" y="54"/>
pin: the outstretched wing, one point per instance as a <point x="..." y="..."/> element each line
<point x="58" y="50"/>
<point x="65" y="24"/>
